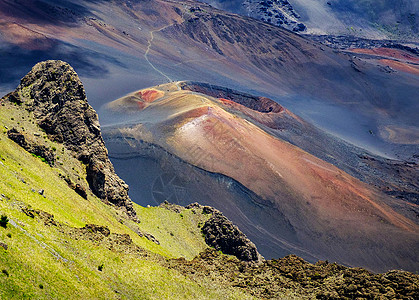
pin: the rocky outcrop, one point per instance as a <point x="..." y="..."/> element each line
<point x="172" y="207"/>
<point x="223" y="235"/>
<point x="277" y="12"/>
<point x="274" y="279"/>
<point x="54" y="93"/>
<point x="31" y="146"/>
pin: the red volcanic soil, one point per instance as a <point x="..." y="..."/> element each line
<point x="146" y="97"/>
<point x="138" y="100"/>
<point x="395" y="58"/>
<point x="149" y="95"/>
<point x="388" y="52"/>
<point x="401" y="66"/>
<point x="228" y="102"/>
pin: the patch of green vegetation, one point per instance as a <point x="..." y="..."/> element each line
<point x="179" y="236"/>
<point x="40" y="157"/>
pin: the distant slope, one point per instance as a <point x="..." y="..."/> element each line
<point x="218" y="146"/>
<point x="119" y="46"/>
<point x="369" y="18"/>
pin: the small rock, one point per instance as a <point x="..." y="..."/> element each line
<point x="33" y="190"/>
<point x="4" y="245"/>
<point x="151" y="238"/>
<point x="80" y="190"/>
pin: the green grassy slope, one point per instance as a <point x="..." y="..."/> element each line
<point x="46" y="262"/>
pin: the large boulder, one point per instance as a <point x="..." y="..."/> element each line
<point x="223" y="235"/>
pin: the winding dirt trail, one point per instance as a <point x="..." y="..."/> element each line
<point x="150" y="43"/>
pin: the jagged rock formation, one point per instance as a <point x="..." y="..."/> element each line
<point x="223" y="235"/>
<point x="276" y="12"/>
<point x="54" y="93"/>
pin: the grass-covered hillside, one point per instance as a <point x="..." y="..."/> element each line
<point x="48" y="256"/>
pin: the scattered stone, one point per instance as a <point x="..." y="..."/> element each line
<point x="43" y="215"/>
<point x="4" y="246"/>
<point x="150" y="237"/>
<point x="138" y="231"/>
<point x="29" y="212"/>
<point x="387" y="69"/>
<point x="172" y="207"/>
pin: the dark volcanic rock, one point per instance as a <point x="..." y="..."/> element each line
<point x="4" y="246"/>
<point x="172" y="207"/>
<point x="223" y="235"/>
<point x="97" y="229"/>
<point x="79" y="189"/>
<point x="32" y="147"/>
<point x="274" y="279"/>
<point x="54" y="93"/>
